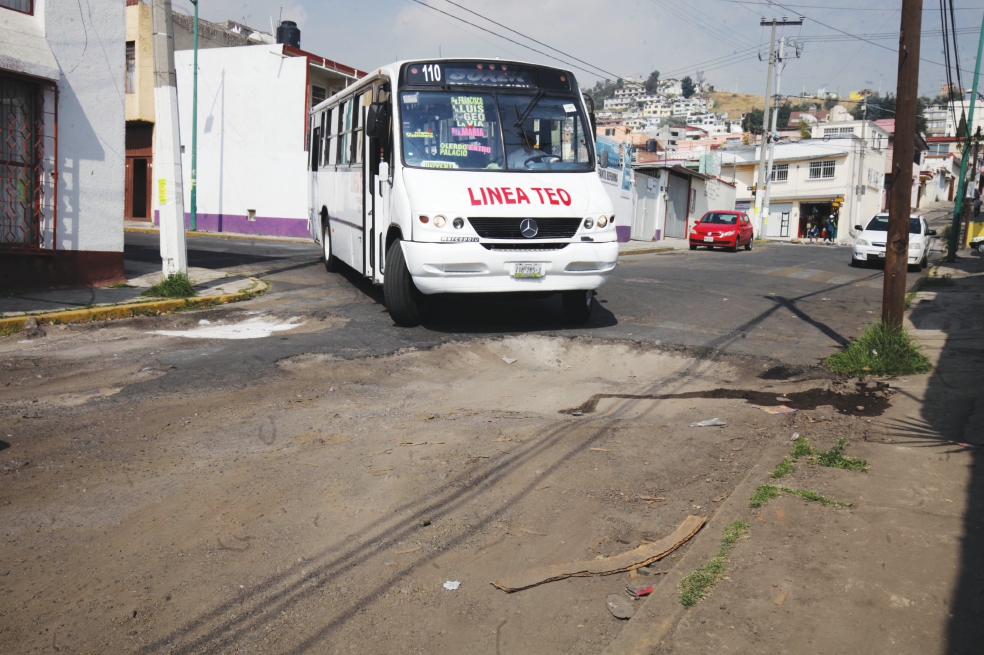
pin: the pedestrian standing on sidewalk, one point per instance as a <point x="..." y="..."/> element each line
<point x="977" y="206"/>
<point x="829" y="228"/>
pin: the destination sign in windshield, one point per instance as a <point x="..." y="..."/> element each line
<point x="489" y="74"/>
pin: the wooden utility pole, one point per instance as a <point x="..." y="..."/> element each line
<point x="900" y="200"/>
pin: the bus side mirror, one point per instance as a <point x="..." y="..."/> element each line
<point x="591" y="113"/>
<point x="377" y="120"/>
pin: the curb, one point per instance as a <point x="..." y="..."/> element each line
<point x="224" y="235"/>
<point x="153" y="307"/>
<point x="659" y="613"/>
<point x="645" y="251"/>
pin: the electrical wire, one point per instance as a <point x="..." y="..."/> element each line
<point x="475" y="13"/>
<point x="506" y="38"/>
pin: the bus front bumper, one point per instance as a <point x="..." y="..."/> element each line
<point x="472" y="268"/>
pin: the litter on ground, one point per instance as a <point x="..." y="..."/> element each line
<point x="508" y="360"/>
<point x="781" y="409"/>
<point x="620" y="607"/>
<point x="638" y="557"/>
<point x="451" y="586"/>
<point x="711" y="422"/>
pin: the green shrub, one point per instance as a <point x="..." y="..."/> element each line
<point x="880" y="350"/>
<point x="176" y="285"/>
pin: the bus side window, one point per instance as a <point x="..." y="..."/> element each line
<point x="326" y="151"/>
<point x="315" y="148"/>
<point x="340" y="146"/>
<point x="355" y="156"/>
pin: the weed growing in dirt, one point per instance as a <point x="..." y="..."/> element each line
<point x="698" y="584"/>
<point x="176" y="285"/>
<point x="834" y="458"/>
<point x="934" y="281"/>
<point x="784" y="468"/>
<point x="880" y="350"/>
<point x="119" y="285"/>
<point x="767" y="492"/>
<point x="10" y="329"/>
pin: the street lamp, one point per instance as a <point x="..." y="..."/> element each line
<point x="194" y="131"/>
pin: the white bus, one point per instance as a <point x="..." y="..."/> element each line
<point x="486" y="184"/>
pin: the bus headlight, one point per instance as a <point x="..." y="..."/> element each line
<point x="588" y="223"/>
<point x="439" y="221"/>
<point x="602" y="221"/>
<point x="458" y="223"/>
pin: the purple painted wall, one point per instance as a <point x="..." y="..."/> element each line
<point x="261" y="225"/>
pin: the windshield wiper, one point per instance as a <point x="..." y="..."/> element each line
<point x="526" y="112"/>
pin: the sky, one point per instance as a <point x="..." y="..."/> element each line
<point x="629" y="37"/>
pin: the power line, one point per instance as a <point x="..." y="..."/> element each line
<point x="506" y="38"/>
<point x="475" y="13"/>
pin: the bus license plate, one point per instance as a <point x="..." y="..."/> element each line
<point x="528" y="270"/>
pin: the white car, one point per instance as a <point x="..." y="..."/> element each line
<point x="870" y="244"/>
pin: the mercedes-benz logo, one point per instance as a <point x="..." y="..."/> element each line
<point x="528" y="228"/>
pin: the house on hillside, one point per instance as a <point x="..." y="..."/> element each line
<point x="61" y="143"/>
<point x="816" y="178"/>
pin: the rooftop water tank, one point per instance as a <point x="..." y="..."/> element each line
<point x="289" y="34"/>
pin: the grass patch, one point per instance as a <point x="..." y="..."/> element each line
<point x="10" y="329"/>
<point x="930" y="281"/>
<point x="880" y="350"/>
<point x="784" y="468"/>
<point x="833" y="458"/>
<point x="698" y="584"/>
<point x="767" y="492"/>
<point x="120" y="285"/>
<point x="176" y="285"/>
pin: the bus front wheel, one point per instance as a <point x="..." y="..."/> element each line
<point x="399" y="292"/>
<point x="577" y="306"/>
<point x="331" y="262"/>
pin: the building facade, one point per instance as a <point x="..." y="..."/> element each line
<point x="62" y="109"/>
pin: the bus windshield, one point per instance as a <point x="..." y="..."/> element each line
<point x="477" y="131"/>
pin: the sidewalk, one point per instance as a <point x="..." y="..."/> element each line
<point x="145" y="226"/>
<point x="646" y="247"/>
<point x="900" y="572"/>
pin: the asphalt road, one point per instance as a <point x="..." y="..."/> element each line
<point x="792" y="303"/>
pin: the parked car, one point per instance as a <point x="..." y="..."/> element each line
<point x="722" y="229"/>
<point x="870" y="244"/>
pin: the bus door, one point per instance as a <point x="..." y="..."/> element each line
<point x="379" y="176"/>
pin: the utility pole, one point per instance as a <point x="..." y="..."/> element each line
<point x="761" y="216"/>
<point x="760" y="181"/>
<point x="774" y="133"/>
<point x="167" y="151"/>
<point x="900" y="204"/>
<point x="194" y="131"/>
<point x="962" y="185"/>
<point x="860" y="188"/>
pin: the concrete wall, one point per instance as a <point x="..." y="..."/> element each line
<point x="251" y="123"/>
<point x="140" y="105"/>
<point x="88" y="56"/>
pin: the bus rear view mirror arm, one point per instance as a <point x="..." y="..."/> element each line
<point x="377" y="120"/>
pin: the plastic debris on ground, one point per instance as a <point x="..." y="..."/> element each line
<point x="783" y="399"/>
<point x="639" y="592"/>
<point x="796" y="435"/>
<point x="781" y="409"/>
<point x="711" y="422"/>
<point x="620" y="607"/>
<point x="508" y="360"/>
<point x="451" y="586"/>
<point x="577" y="412"/>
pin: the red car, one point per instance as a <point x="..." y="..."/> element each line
<point x="722" y="229"/>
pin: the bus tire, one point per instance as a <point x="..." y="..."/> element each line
<point x="399" y="293"/>
<point x="577" y="306"/>
<point x="331" y="262"/>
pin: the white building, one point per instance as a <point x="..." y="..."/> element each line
<point x="62" y="142"/>
<point x="253" y="134"/>
<point x="936" y="120"/>
<point x="816" y="178"/>
<point x="692" y="105"/>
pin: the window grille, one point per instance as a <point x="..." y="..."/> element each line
<point x="822" y="170"/>
<point x="780" y="173"/>
<point x="27" y="164"/>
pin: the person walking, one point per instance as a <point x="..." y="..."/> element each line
<point x="829" y="228"/>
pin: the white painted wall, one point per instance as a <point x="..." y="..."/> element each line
<point x="90" y="50"/>
<point x="251" y="120"/>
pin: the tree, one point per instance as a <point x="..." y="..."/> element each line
<point x="752" y="122"/>
<point x="962" y="126"/>
<point x="652" y="83"/>
<point x="688" y="87"/>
